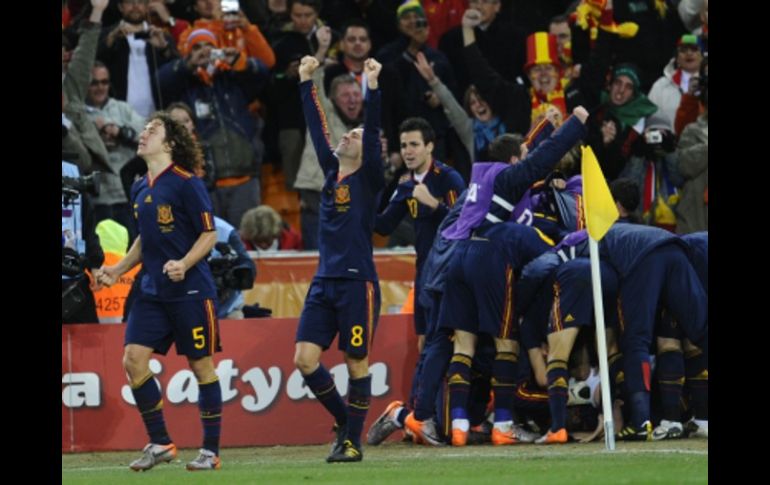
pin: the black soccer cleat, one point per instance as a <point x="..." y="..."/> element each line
<point x="630" y="433"/>
<point x="347" y="453"/>
<point x="340" y="435"/>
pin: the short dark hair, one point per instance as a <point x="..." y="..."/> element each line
<point x="559" y="19"/>
<point x="505" y="146"/>
<point x="356" y="23"/>
<point x="314" y="4"/>
<point x="421" y="125"/>
<point x="181" y="105"/>
<point x="625" y="191"/>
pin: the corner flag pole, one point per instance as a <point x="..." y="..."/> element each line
<point x="601" y="213"/>
<point x="601" y="346"/>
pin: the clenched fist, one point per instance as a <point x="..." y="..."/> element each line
<point x="307" y="67"/>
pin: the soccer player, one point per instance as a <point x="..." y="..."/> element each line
<point x="344" y="296"/>
<point x="678" y="357"/>
<point x="426" y="192"/>
<point x="492" y="193"/>
<point x="563" y="276"/>
<point x="177" y="299"/>
<point x="654" y="270"/>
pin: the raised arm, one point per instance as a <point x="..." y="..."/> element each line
<point x="455" y="113"/>
<point x="315" y="116"/>
<point x="372" y="163"/>
<point x="517" y="178"/>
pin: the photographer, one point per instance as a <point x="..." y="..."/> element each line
<point x="136" y="47"/>
<point x="219" y="83"/>
<point x="80" y="248"/>
<point x="655" y="170"/>
<point x="233" y="270"/>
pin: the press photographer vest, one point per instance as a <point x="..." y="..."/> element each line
<point x="110" y="301"/>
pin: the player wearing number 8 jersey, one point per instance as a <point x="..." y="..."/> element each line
<point x="177" y="298"/>
<point x="344" y="296"/>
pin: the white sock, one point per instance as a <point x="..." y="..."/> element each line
<point x="461" y="424"/>
<point x="503" y="425"/>
<point x="702" y="423"/>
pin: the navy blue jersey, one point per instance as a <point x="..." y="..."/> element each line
<point x="479" y="295"/>
<point x="518" y="243"/>
<point x="699" y="255"/>
<point x="171" y="213"/>
<point x="444" y="183"/>
<point x="625" y="245"/>
<point x="348" y="204"/>
<point x="434" y="271"/>
<point x="533" y="288"/>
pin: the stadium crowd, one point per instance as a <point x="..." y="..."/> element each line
<point x="483" y="106"/>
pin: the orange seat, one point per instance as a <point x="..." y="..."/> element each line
<point x="275" y="194"/>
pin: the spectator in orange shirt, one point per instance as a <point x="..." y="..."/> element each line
<point x="232" y="29"/>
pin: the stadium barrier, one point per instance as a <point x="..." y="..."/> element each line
<point x="265" y="401"/>
<point x="284" y="277"/>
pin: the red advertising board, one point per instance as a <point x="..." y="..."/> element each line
<point x="265" y="399"/>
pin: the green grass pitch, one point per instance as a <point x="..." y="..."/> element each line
<point x="683" y="461"/>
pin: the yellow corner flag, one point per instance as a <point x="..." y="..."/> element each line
<point x="600" y="208"/>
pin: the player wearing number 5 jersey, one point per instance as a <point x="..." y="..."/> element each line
<point x="177" y="298"/>
<point x="344" y="296"/>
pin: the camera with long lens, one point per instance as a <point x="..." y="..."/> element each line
<point x="73" y="264"/>
<point x="228" y="276"/>
<point x="73" y="186"/>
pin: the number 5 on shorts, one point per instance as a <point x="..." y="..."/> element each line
<point x="199" y="338"/>
<point x="357" y="338"/>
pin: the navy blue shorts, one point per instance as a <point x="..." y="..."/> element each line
<point x="350" y="307"/>
<point x="573" y="303"/>
<point x="666" y="326"/>
<point x="479" y="291"/>
<point x="663" y="278"/>
<point x="191" y="324"/>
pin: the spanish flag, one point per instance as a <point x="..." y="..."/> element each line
<point x="600" y="209"/>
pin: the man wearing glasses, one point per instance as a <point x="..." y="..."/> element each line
<point x="119" y="127"/>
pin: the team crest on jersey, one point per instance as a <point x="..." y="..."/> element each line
<point x="148" y="199"/>
<point x="164" y="214"/>
<point x="342" y="194"/>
